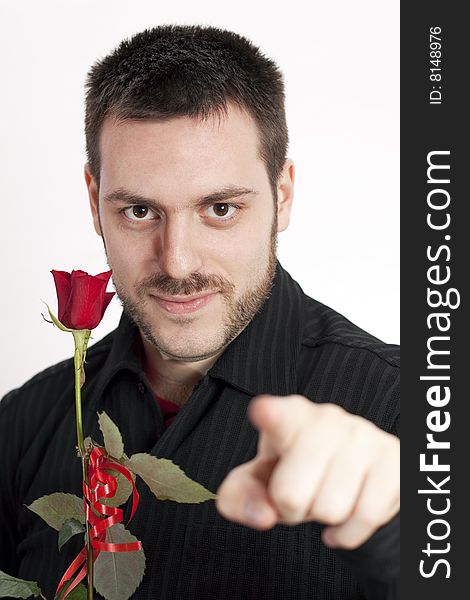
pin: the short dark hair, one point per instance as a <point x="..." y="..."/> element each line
<point x="194" y="71"/>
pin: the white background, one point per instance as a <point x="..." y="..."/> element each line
<point x="340" y="61"/>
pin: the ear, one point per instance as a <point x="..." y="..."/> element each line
<point x="93" y="195"/>
<point x="285" y="194"/>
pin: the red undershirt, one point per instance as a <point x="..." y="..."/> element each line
<point x="169" y="410"/>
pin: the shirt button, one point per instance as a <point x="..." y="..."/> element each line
<point x="141" y="387"/>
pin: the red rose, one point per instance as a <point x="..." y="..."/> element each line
<point x="82" y="298"/>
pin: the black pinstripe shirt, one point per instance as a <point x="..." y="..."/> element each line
<point x="294" y="345"/>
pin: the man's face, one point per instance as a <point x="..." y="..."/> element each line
<point x="189" y="225"/>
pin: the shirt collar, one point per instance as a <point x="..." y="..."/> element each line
<point x="261" y="359"/>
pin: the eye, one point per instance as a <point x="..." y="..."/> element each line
<point x="139" y="213"/>
<point x="222" y="210"/>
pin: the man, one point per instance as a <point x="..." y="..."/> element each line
<point x="220" y="362"/>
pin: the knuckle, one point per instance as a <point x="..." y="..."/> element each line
<point x="363" y="440"/>
<point x="333" y="411"/>
<point x="289" y="506"/>
<point x="230" y="485"/>
<point x="368" y="516"/>
<point x="331" y="415"/>
<point x="300" y="404"/>
<point x="330" y="512"/>
<point x="363" y="429"/>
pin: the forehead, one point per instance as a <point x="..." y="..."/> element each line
<point x="183" y="158"/>
<point x="181" y="147"/>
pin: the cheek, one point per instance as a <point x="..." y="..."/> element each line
<point x="242" y="242"/>
<point x="244" y="253"/>
<point x="129" y="259"/>
<point x="258" y="237"/>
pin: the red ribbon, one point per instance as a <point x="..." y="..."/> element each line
<point x="100" y="517"/>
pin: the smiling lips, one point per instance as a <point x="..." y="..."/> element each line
<point x="179" y="306"/>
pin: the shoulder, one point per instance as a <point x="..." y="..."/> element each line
<point x="44" y="390"/>
<point x="323" y="325"/>
<point x="342" y="363"/>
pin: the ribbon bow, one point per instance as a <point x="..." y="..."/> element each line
<point x="100" y="517"/>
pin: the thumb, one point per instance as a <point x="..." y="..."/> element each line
<point x="279" y="418"/>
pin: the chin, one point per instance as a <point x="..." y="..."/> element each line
<point x="188" y="355"/>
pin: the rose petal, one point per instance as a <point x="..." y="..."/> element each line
<point x="87" y="300"/>
<point x="63" y="288"/>
<point x="106" y="276"/>
<point x="107" y="299"/>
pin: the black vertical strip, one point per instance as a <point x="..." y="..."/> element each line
<point x="434" y="35"/>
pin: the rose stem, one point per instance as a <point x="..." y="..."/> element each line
<point x="81" y="338"/>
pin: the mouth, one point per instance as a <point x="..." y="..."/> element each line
<point x="184" y="304"/>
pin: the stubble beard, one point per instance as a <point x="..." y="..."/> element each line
<point x="239" y="312"/>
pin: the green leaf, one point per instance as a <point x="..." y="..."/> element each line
<point x="56" y="508"/>
<point x="112" y="436"/>
<point x="118" y="574"/>
<point x="56" y="321"/>
<point x="87" y="442"/>
<point x="166" y="480"/>
<point x="11" y="587"/>
<point x="78" y="593"/>
<point x="70" y="528"/>
<point x="124" y="489"/>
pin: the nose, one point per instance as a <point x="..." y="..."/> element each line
<point x="179" y="249"/>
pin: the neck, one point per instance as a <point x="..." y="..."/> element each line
<point x="172" y="379"/>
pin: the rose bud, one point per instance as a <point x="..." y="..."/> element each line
<point x="82" y="298"/>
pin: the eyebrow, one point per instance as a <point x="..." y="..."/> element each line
<point x="121" y="195"/>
